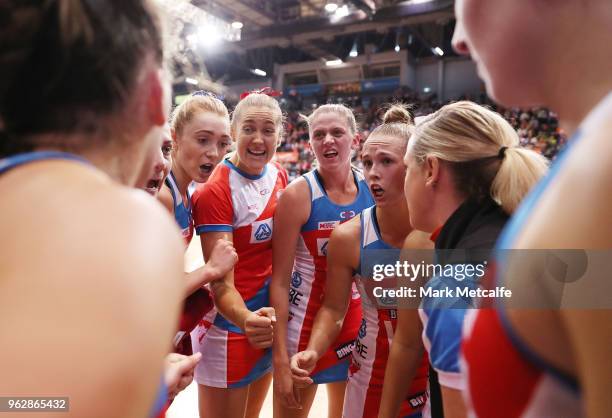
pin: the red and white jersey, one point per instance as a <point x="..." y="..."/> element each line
<point x="373" y="344"/>
<point x="310" y="270"/>
<point x="234" y="201"/>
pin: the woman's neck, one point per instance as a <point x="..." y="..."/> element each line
<point x="340" y="180"/>
<point x="394" y="223"/>
<point x="445" y="206"/>
<point x="182" y="178"/>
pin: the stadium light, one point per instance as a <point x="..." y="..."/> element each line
<point x="259" y="72"/>
<point x="333" y="63"/>
<point x="354" y="51"/>
<point x="237" y="25"/>
<point x="191" y="81"/>
<point x="341" y="12"/>
<point x="438" y="51"/>
<point x="331" y="7"/>
<point x="426" y="90"/>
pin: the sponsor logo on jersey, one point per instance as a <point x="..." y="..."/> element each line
<point x="296" y="279"/>
<point x="347" y="214"/>
<point x="344" y="350"/>
<point x="417" y="400"/>
<point x="327" y="225"/>
<point x="363" y="329"/>
<point x="261" y="231"/>
<point x="295" y="296"/>
<point x="322" y="246"/>
<point x="264" y="192"/>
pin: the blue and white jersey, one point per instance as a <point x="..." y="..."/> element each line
<point x="182" y="212"/>
<point x="373" y="344"/>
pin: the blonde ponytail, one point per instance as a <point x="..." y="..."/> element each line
<point x="470" y="137"/>
<point x="519" y="170"/>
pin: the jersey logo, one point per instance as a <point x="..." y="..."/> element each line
<point x="347" y="214"/>
<point x="345" y="350"/>
<point x="327" y="225"/>
<point x="296" y="279"/>
<point x="264" y="192"/>
<point x="362" y="329"/>
<point x="261" y="231"/>
<point x="322" y="246"/>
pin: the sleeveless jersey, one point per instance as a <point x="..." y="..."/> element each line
<point x="310" y="273"/>
<point x="371" y="351"/>
<point x="182" y="212"/>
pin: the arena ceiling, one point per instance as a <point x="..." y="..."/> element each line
<point x="287" y="31"/>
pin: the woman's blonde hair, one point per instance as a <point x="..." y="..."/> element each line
<point x="184" y="113"/>
<point x="259" y="100"/>
<point x="483" y="150"/>
<point x="397" y="123"/>
<point x="338" y="109"/>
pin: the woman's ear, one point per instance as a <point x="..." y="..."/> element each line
<point x="356" y="140"/>
<point x="432" y="171"/>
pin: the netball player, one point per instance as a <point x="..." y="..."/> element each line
<point x="465" y="175"/>
<point x="381" y="227"/>
<point x="548" y="362"/>
<point x="237" y="204"/>
<point x="82" y="99"/>
<point x="308" y="211"/>
<point x="200" y="139"/>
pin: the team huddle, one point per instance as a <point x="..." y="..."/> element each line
<point x="286" y="295"/>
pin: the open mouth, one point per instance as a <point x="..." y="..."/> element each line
<point x="330" y="154"/>
<point x="206" y="168"/>
<point x="256" y="153"/>
<point x="377" y="191"/>
<point x="153" y="186"/>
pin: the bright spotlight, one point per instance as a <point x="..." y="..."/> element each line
<point x="341" y="12"/>
<point x="333" y="63"/>
<point x="237" y="25"/>
<point x="331" y="7"/>
<point x="259" y="72"/>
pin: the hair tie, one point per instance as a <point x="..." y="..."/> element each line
<point x="502" y="153"/>
<point x="268" y="91"/>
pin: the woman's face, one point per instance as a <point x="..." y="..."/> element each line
<point x="257" y="136"/>
<point x="508" y="42"/>
<point x="384" y="169"/>
<point x="418" y="196"/>
<point x="201" y="145"/>
<point x="161" y="164"/>
<point x="332" y="140"/>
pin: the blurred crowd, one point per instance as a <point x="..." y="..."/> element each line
<point x="537" y="128"/>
